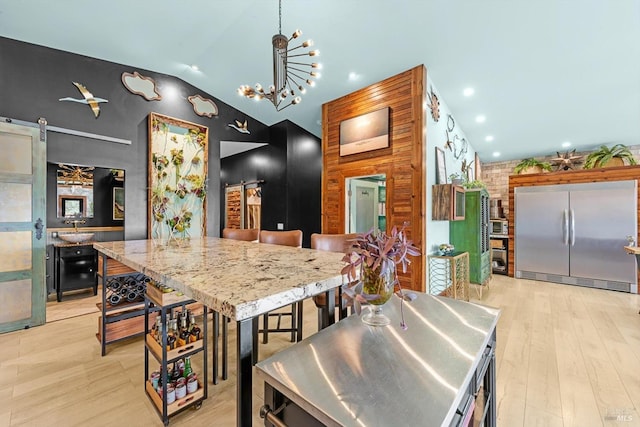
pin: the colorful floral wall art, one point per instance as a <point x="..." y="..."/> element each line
<point x="178" y="153"/>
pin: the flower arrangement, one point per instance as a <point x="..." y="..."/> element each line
<point x="372" y="257"/>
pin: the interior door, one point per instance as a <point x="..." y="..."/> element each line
<point x="541" y="231"/>
<point x="363" y="205"/>
<point x="22" y="224"/>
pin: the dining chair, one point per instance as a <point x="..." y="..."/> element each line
<point x="331" y="243"/>
<point x="284" y="238"/>
<point x="247" y="235"/>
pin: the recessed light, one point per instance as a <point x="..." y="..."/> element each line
<point x="480" y="119"/>
<point x="468" y="91"/>
<point x="194" y="67"/>
<point x="496" y="154"/>
<point x="566" y="144"/>
<point x="353" y="76"/>
<point x="488" y="138"/>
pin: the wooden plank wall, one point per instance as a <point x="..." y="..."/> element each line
<point x="402" y="162"/>
<point x="620" y="173"/>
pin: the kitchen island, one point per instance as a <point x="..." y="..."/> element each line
<point x="240" y="280"/>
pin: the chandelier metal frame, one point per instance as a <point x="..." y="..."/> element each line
<point x="289" y="77"/>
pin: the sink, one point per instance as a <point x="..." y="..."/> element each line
<point x="76" y="237"/>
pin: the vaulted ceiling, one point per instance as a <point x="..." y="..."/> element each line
<point x="544" y="72"/>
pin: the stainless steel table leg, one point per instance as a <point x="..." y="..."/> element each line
<point x="244" y="371"/>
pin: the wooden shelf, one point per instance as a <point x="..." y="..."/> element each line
<point x="179" y="403"/>
<point x="114" y="268"/>
<point x="185" y="350"/>
<point x="111" y="309"/>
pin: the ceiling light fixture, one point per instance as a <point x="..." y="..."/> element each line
<point x="566" y="144"/>
<point x="468" y="91"/>
<point x="488" y="138"/>
<point x="496" y="154"/>
<point x="288" y="80"/>
<point x="480" y="119"/>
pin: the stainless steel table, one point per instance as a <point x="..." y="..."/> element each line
<point x="351" y="374"/>
<point x="240" y="280"/>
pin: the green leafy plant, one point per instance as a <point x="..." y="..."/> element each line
<point x="531" y="163"/>
<point x="601" y="156"/>
<point x="380" y="252"/>
<point x="476" y="183"/>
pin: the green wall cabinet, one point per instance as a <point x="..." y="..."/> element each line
<point x="472" y="235"/>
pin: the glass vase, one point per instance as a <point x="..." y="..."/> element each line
<point x="379" y="288"/>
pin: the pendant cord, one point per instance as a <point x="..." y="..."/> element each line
<point x="279" y="16"/>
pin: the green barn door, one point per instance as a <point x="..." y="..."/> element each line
<point x="22" y="224"/>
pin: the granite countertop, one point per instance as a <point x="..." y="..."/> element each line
<point x="238" y="279"/>
<point x="352" y="374"/>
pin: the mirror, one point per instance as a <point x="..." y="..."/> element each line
<point x="366" y="203"/>
<point x="88" y="192"/>
<point x="74" y="191"/>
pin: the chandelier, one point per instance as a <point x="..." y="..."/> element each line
<point x="289" y="77"/>
<point x="75" y="175"/>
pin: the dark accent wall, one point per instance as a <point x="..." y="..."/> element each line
<point x="32" y="80"/>
<point x="291" y="167"/>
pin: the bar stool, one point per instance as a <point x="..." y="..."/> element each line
<point x="285" y="238"/>
<point x="247" y="235"/>
<point x="330" y="243"/>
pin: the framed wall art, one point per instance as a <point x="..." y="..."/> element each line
<point x="178" y="152"/>
<point x="441" y="167"/>
<point x="365" y="133"/>
<point x="118" y="203"/>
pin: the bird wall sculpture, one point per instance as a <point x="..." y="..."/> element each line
<point x="240" y="127"/>
<point x="89" y="99"/>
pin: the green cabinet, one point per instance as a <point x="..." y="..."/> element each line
<point x="472" y="235"/>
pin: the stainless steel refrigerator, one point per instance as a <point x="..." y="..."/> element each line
<point x="575" y="234"/>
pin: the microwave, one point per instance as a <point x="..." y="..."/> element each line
<point x="499" y="226"/>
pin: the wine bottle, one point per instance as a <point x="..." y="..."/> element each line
<point x="195" y="330"/>
<point x="187" y="367"/>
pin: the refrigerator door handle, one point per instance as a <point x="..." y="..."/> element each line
<point x="565" y="227"/>
<point x="573" y="227"/>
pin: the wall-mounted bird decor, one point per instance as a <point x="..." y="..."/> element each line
<point x="449" y="143"/>
<point x="240" y="127"/>
<point x="89" y="99"/>
<point x="434" y="105"/>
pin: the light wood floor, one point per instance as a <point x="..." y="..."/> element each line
<point x="566" y="356"/>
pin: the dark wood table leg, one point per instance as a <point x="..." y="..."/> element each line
<point x="244" y="372"/>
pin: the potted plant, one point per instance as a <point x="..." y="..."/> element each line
<point x="608" y="157"/>
<point x="373" y="258"/>
<point x="531" y="165"/>
<point x="457" y="179"/>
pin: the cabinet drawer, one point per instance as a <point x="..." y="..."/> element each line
<point x="76" y="251"/>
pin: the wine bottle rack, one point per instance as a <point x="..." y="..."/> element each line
<point x="126" y="289"/>
<point x="122" y="305"/>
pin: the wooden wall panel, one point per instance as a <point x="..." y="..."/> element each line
<point x="620" y="173"/>
<point x="402" y="162"/>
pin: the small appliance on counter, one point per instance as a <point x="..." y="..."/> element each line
<point x="499" y="227"/>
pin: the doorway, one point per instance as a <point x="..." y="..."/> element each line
<point x="365" y="204"/>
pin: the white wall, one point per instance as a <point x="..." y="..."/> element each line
<point x="437" y="232"/>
